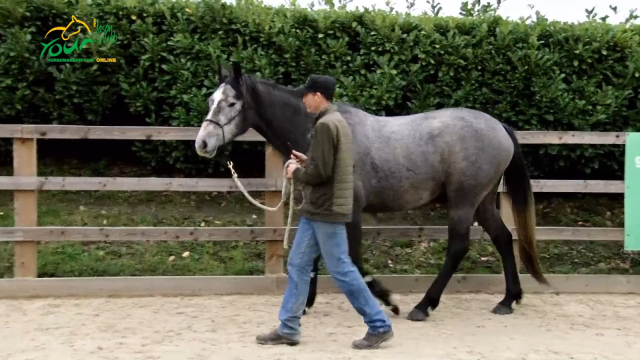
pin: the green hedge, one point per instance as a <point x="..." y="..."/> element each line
<point x="534" y="75"/>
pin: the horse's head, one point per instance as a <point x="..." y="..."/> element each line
<point x="79" y="25"/>
<point x="225" y="119"/>
<point x="66" y="32"/>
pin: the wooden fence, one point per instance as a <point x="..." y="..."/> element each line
<point x="26" y="234"/>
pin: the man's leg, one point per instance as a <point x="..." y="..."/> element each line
<point x="299" y="266"/>
<point x="332" y="239"/>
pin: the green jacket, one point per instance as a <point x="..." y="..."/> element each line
<point x="327" y="175"/>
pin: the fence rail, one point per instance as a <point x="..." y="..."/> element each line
<point x="149" y="234"/>
<point x="251" y="184"/>
<point x="25" y="184"/>
<point x="189" y="133"/>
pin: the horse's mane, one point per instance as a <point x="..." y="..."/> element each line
<point x="261" y="87"/>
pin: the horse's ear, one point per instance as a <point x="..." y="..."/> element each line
<point x="237" y="71"/>
<point x="223" y="74"/>
<point x="287" y="79"/>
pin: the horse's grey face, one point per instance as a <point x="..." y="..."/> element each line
<point x="223" y="122"/>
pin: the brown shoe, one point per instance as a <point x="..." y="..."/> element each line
<point x="275" y="338"/>
<point x="372" y="341"/>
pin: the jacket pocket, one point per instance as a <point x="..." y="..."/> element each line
<point x="321" y="197"/>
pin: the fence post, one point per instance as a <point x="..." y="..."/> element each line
<point x="507" y="216"/>
<point x="274" y="251"/>
<point x="25" y="163"/>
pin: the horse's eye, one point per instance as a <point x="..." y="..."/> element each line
<point x="232" y="104"/>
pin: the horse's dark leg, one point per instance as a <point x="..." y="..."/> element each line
<point x="460" y="220"/>
<point x="354" y="236"/>
<point x="313" y="286"/>
<point x="490" y="220"/>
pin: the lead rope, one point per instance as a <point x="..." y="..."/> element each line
<point x="287" y="189"/>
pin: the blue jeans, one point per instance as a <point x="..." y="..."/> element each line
<point x="330" y="240"/>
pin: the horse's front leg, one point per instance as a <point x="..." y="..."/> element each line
<point x="313" y="286"/>
<point x="354" y="236"/>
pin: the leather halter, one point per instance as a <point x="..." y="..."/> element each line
<point x="221" y="126"/>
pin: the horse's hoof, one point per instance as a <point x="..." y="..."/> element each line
<point x="502" y="310"/>
<point x="395" y="309"/>
<point x="417" y="315"/>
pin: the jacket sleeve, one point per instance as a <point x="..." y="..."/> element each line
<point x="319" y="164"/>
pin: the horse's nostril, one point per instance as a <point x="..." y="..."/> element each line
<point x="204" y="145"/>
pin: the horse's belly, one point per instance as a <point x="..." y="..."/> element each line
<point x="401" y="195"/>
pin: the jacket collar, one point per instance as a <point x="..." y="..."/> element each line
<point x="329" y="109"/>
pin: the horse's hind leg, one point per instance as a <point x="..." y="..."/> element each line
<point x="489" y="218"/>
<point x="461" y="211"/>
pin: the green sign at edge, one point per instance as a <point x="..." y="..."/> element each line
<point x="632" y="192"/>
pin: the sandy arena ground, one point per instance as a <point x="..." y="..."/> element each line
<point x="544" y="327"/>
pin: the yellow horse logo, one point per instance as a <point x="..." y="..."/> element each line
<point x="64" y="29"/>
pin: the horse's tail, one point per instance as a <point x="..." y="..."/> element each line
<point x="518" y="184"/>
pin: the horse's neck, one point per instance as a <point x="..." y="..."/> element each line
<point x="284" y="125"/>
<point x="284" y="134"/>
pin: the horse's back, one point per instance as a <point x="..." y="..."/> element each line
<point x="406" y="161"/>
<point x="450" y="132"/>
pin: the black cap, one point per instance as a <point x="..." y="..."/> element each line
<point x="323" y="84"/>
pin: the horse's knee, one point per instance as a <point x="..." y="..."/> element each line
<point x="458" y="249"/>
<point x="459" y="231"/>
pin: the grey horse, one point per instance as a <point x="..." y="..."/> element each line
<point x="453" y="156"/>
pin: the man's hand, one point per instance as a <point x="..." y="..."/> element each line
<point x="290" y="169"/>
<point x="298" y="156"/>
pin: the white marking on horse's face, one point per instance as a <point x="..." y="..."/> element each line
<point x="224" y="110"/>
